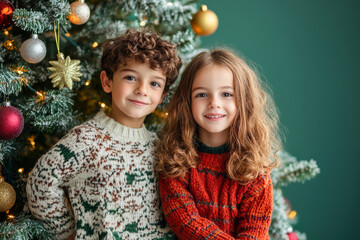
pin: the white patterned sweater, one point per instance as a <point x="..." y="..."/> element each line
<point x="107" y="171"/>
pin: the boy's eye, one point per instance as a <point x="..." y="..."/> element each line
<point x="201" y="95"/>
<point x="226" y="94"/>
<point x="155" y="84"/>
<point x="130" y="78"/>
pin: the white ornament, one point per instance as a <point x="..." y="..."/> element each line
<point x="79" y="12"/>
<point x="33" y="50"/>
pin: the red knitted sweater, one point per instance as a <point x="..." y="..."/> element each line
<point x="206" y="204"/>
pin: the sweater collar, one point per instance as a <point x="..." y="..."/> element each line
<point x="201" y="147"/>
<point x="113" y="127"/>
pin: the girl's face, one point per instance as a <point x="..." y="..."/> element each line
<point x="213" y="103"/>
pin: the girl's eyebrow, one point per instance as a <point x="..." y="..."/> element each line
<point x="198" y="88"/>
<point x="204" y="88"/>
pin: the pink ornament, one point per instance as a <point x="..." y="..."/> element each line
<point x="11" y="122"/>
<point x="292" y="236"/>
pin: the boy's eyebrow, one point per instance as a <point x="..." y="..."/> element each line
<point x="131" y="70"/>
<point x="204" y="88"/>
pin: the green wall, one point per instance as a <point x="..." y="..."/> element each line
<point x="309" y="52"/>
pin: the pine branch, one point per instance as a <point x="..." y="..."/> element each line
<point x="32" y="21"/>
<point x="2" y="53"/>
<point x="280" y="224"/>
<point x="176" y="13"/>
<point x="23" y="228"/>
<point x="6" y="147"/>
<point x="53" y="114"/>
<point x="184" y="40"/>
<point x="10" y="82"/>
<point x="293" y="170"/>
<point x="56" y="10"/>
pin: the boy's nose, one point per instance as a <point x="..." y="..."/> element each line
<point x="141" y="89"/>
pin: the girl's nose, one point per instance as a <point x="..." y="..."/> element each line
<point x="214" y="103"/>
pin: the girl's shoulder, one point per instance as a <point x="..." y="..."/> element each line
<point x="261" y="183"/>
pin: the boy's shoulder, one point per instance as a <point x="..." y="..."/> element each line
<point x="102" y="127"/>
<point x="86" y="131"/>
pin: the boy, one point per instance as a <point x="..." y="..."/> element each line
<point x="105" y="165"/>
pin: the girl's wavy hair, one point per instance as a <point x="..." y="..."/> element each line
<point x="254" y="138"/>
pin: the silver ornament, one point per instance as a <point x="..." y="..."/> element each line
<point x="33" y="50"/>
<point x="79" y="12"/>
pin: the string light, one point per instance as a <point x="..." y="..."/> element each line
<point x="102" y="105"/>
<point x="95" y="44"/>
<point x="9" y="44"/>
<point x="169" y="4"/>
<point x="24" y="80"/>
<point x="167" y="114"/>
<point x="6" y="32"/>
<point x="20" y="70"/>
<point x="10" y="217"/>
<point x="142" y="23"/>
<point x="21" y="170"/>
<point x="292" y="214"/>
<point x="87" y="83"/>
<point x="31" y="139"/>
<point x="41" y="96"/>
<point x="67" y="34"/>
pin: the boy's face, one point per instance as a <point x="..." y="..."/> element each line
<point x="136" y="91"/>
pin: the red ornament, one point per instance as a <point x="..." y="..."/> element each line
<point x="6" y="13"/>
<point x="292" y="236"/>
<point x="11" y="122"/>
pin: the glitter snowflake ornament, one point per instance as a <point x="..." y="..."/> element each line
<point x="65" y="71"/>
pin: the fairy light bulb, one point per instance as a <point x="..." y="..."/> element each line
<point x="292" y="214"/>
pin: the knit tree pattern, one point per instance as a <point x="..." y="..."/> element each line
<point x="106" y="171"/>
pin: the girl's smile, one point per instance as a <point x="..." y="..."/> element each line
<point x="213" y="103"/>
<point x="214" y="116"/>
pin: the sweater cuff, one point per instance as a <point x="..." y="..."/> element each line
<point x="64" y="235"/>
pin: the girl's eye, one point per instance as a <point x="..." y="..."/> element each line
<point x="130" y="78"/>
<point x="226" y="94"/>
<point x="201" y="95"/>
<point x="155" y="84"/>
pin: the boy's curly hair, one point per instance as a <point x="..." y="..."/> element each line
<point x="145" y="47"/>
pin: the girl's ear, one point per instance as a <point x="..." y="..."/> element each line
<point x="106" y="82"/>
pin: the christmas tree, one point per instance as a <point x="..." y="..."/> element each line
<point x="49" y="54"/>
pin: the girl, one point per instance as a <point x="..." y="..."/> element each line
<point x="217" y="150"/>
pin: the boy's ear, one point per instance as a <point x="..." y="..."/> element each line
<point x="106" y="82"/>
<point x="163" y="96"/>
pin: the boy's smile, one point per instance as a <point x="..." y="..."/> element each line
<point x="136" y="91"/>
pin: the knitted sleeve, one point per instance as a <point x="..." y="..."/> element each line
<point x="255" y="209"/>
<point x="181" y="212"/>
<point x="46" y="197"/>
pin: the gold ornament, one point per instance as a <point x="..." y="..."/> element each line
<point x="79" y="12"/>
<point x="7" y="195"/>
<point x="65" y="71"/>
<point x="204" y="21"/>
